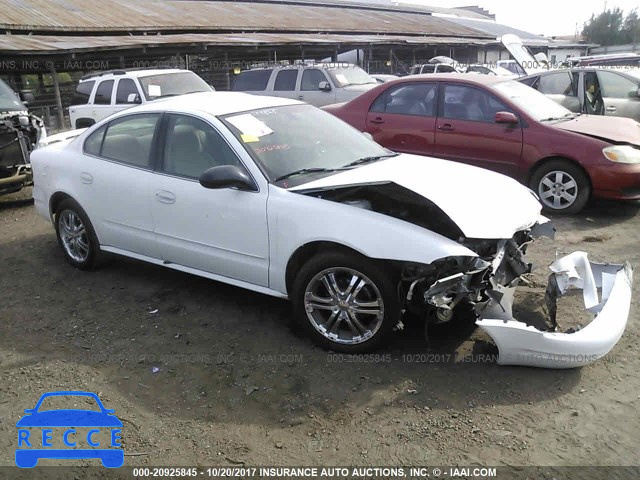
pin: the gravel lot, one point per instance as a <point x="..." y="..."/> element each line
<point x="236" y="386"/>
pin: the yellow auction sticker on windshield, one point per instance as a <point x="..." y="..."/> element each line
<point x="249" y="138"/>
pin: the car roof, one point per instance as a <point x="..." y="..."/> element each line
<point x="630" y="71"/>
<point x="214" y="103"/>
<point x="327" y="65"/>
<point x="130" y="73"/>
<point x="470" y="78"/>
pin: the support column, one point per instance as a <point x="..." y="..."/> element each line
<point x="56" y="89"/>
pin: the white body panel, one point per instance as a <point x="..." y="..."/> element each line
<point x="519" y="344"/>
<point x="434" y="179"/>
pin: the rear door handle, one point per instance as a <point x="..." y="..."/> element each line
<point x="446" y="127"/>
<point x="300" y="97"/>
<point x="611" y="109"/>
<point x="86" y="178"/>
<point x="165" y="197"/>
<point x="377" y="120"/>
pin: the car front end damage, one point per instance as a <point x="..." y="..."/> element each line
<point x="487" y="284"/>
<point x="20" y="132"/>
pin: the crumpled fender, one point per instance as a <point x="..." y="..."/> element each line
<point x="519" y="344"/>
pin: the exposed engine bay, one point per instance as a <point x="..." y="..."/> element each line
<point x="19" y="134"/>
<point x="485" y="283"/>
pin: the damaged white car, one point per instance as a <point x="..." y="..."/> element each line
<point x="281" y="198"/>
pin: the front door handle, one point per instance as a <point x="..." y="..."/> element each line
<point x="611" y="109"/>
<point x="165" y="197"/>
<point x="446" y="127"/>
<point x="300" y="97"/>
<point x="377" y="120"/>
<point x="86" y="178"/>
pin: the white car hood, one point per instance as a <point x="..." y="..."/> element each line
<point x="482" y="203"/>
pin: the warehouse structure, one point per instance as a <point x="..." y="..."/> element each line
<point x="46" y="45"/>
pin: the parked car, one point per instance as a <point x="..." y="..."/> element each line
<point x="511" y="66"/>
<point x="606" y="60"/>
<point x="433" y="68"/>
<point x="20" y="132"/>
<point x="489" y="70"/>
<point x="383" y="78"/>
<point x="317" y="84"/>
<point x="101" y="94"/>
<point x="592" y="90"/>
<point x="279" y="197"/>
<point x="508" y="127"/>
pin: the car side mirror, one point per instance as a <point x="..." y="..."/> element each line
<point x="505" y="117"/>
<point x="27" y="97"/>
<point x="227" y="176"/>
<point x="324" y="86"/>
<point x="134" y="98"/>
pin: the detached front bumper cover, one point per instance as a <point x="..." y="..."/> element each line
<point x="520" y="344"/>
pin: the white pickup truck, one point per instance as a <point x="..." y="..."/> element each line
<point x="99" y="95"/>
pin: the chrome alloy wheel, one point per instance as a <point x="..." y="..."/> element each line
<point x="74" y="236"/>
<point x="558" y="190"/>
<point x="344" y="305"/>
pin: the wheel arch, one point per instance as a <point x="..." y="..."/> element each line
<point x="56" y="199"/>
<point x="303" y="253"/>
<point x="543" y="161"/>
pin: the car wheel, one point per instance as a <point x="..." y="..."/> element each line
<point x="345" y="302"/>
<point x="562" y="187"/>
<point x="76" y="235"/>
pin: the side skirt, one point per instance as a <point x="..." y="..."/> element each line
<point x="195" y="271"/>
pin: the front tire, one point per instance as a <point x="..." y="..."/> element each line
<point x="345" y="302"/>
<point x="563" y="187"/>
<point x="76" y="235"/>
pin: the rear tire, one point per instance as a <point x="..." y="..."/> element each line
<point x="345" y="302"/>
<point x="563" y="187"/>
<point x="76" y="235"/>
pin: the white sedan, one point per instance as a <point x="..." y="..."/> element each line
<point x="279" y="197"/>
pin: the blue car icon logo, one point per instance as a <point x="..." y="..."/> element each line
<point x="63" y="427"/>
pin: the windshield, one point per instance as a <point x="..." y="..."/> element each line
<point x="171" y="84"/>
<point x="290" y="138"/>
<point x="350" y="76"/>
<point x="9" y="101"/>
<point x="534" y="103"/>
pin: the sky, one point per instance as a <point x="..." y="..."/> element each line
<point x="546" y="17"/>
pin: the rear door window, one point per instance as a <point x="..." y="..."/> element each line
<point x="408" y="99"/>
<point x="103" y="93"/>
<point x="286" y="81"/>
<point x="252" y="81"/>
<point x="560" y="83"/>
<point x="129" y="139"/>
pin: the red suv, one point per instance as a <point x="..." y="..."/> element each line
<point x="508" y="127"/>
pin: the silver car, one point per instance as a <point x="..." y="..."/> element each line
<point x="591" y="90"/>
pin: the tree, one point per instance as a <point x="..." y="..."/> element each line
<point x="611" y="27"/>
<point x="631" y="27"/>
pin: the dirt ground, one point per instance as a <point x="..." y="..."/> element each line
<point x="202" y="373"/>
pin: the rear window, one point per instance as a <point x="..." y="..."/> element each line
<point x="251" y="81"/>
<point x="82" y="93"/>
<point x="103" y="93"/>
